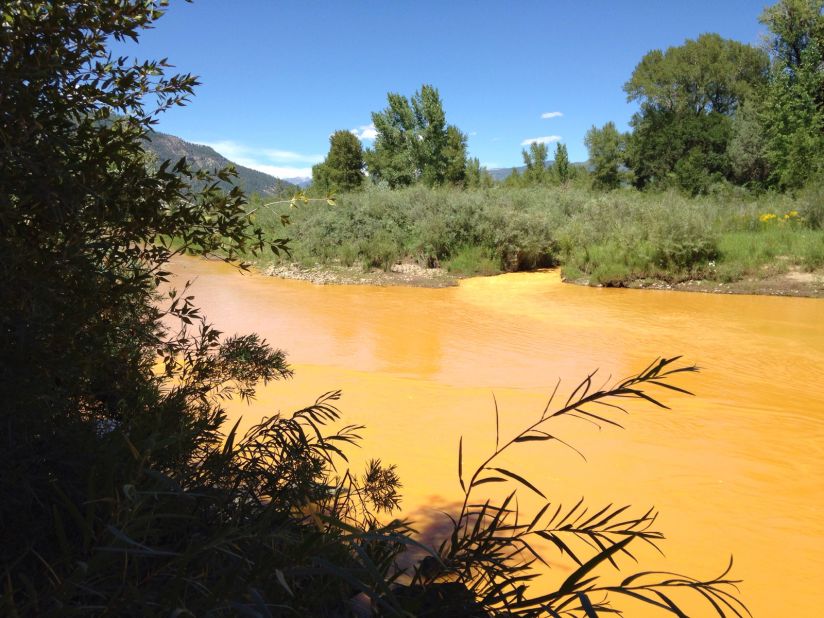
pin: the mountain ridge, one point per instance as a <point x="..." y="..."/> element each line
<point x="200" y="157"/>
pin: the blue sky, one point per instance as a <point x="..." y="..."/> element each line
<point x="279" y="77"/>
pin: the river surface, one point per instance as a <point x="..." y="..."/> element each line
<point x="736" y="470"/>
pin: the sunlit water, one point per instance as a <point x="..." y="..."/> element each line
<point x="737" y="470"/>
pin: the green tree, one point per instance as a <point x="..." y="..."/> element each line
<point x="792" y="110"/>
<point x="709" y="74"/>
<point x="607" y="152"/>
<point x="562" y="169"/>
<point x="120" y="493"/>
<point x="514" y="179"/>
<point x="342" y="170"/>
<point x="747" y="150"/>
<point x="454" y="155"/>
<point x="535" y="160"/>
<point x="477" y="177"/>
<point x="795" y="24"/>
<point x="414" y="142"/>
<point x="688" y="95"/>
<point x="394" y="156"/>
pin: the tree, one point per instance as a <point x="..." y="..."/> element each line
<point x="415" y="143"/>
<point x="747" y="149"/>
<point x="795" y="25"/>
<point x="394" y="156"/>
<point x="607" y="152"/>
<point x="535" y="161"/>
<point x="562" y="168"/>
<point x="688" y="95"/>
<point x="120" y="491"/>
<point x="454" y="154"/>
<point x="709" y="74"/>
<point x="342" y="170"/>
<point x="792" y="110"/>
<point x="476" y="176"/>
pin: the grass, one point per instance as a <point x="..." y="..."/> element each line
<point x="775" y="248"/>
<point x="606" y="238"/>
<point x="472" y="261"/>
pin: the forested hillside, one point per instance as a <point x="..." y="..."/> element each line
<point x="200" y="157"/>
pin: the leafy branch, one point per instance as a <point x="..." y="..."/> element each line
<point x="491" y="551"/>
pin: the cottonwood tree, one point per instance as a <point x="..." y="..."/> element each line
<point x="607" y="152"/>
<point x="415" y="143"/>
<point x="343" y="168"/>
<point x="535" y="160"/>
<point x="791" y="114"/>
<point x="688" y="95"/>
<point x="561" y="166"/>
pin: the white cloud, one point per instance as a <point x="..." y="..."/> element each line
<point x="546" y="139"/>
<point x="288" y="155"/>
<point x="267" y="160"/>
<point x="473" y="133"/>
<point x="548" y="115"/>
<point x="365" y="131"/>
<point x="282" y="171"/>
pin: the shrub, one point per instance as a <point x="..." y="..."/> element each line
<point x="811" y="205"/>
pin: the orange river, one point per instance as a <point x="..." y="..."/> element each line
<point x="736" y="470"/>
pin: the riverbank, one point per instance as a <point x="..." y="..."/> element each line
<point x="794" y="282"/>
<point x="404" y="274"/>
<point x="733" y="243"/>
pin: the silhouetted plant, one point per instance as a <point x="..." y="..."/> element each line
<point x="490" y="551"/>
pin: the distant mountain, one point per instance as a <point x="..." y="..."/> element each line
<point x="501" y="173"/>
<point x="301" y="181"/>
<point x="205" y="158"/>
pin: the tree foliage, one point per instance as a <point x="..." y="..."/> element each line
<point x="607" y="153"/>
<point x="414" y="142"/>
<point x="343" y="168"/>
<point x="747" y="149"/>
<point x="535" y="160"/>
<point x="709" y="74"/>
<point x="476" y="176"/>
<point x="561" y="167"/>
<point x="795" y="25"/>
<point x="687" y="96"/>
<point x="792" y="110"/>
<point x="120" y="492"/>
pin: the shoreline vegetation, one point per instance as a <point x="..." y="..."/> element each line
<point x="793" y="283"/>
<point x="730" y="242"/>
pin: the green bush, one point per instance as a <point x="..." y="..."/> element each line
<point x="811" y="205"/>
<point x="609" y="239"/>
<point x="812" y="251"/>
<point x="472" y="261"/>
